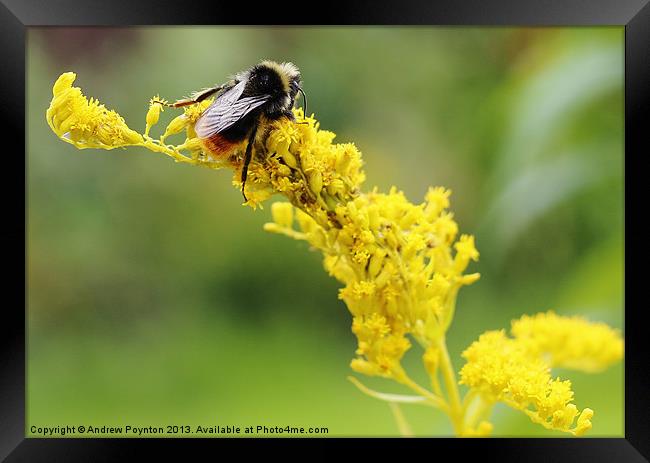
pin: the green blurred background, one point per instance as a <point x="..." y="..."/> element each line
<point x="154" y="298"/>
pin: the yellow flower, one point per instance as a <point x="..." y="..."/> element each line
<point x="465" y="251"/>
<point x="176" y="126"/>
<point x="84" y="123"/>
<point x="153" y="115"/>
<point x="437" y="200"/>
<point x="504" y="369"/>
<point x="193" y="112"/>
<point x="570" y="342"/>
<point x="282" y="214"/>
<point x="380" y="344"/>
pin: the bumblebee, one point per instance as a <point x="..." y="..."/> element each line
<point x="243" y="108"/>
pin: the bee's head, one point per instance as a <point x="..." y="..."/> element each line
<point x="280" y="80"/>
<point x="277" y="78"/>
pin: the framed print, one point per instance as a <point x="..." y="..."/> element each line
<point x="325" y="232"/>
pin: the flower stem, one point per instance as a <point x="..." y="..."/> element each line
<point x="402" y="424"/>
<point x="481" y="411"/>
<point x="435" y="384"/>
<point x="456" y="412"/>
<point x="394" y="398"/>
<point x="434" y="399"/>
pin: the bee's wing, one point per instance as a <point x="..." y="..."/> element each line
<point x="227" y="109"/>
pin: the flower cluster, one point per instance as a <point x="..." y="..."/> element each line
<point x="502" y="369"/>
<point x="401" y="265"/>
<point x="517" y="371"/>
<point x="300" y="162"/>
<point x="86" y="123"/>
<point x="569" y="342"/>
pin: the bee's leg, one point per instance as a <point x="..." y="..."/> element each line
<point x="247" y="160"/>
<point x="197" y="97"/>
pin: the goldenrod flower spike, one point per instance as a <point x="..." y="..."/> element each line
<point x="84" y="123"/>
<point x="570" y="342"/>
<point x="502" y="369"/>
<point x="401" y="265"/>
<point x="517" y="371"/>
<point x="88" y="124"/>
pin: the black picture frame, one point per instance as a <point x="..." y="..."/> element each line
<point x="17" y="15"/>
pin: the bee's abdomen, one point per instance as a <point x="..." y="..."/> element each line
<point x="219" y="146"/>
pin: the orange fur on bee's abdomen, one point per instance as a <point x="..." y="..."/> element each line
<point x="218" y="146"/>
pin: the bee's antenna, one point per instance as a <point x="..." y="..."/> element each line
<point x="305" y="98"/>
